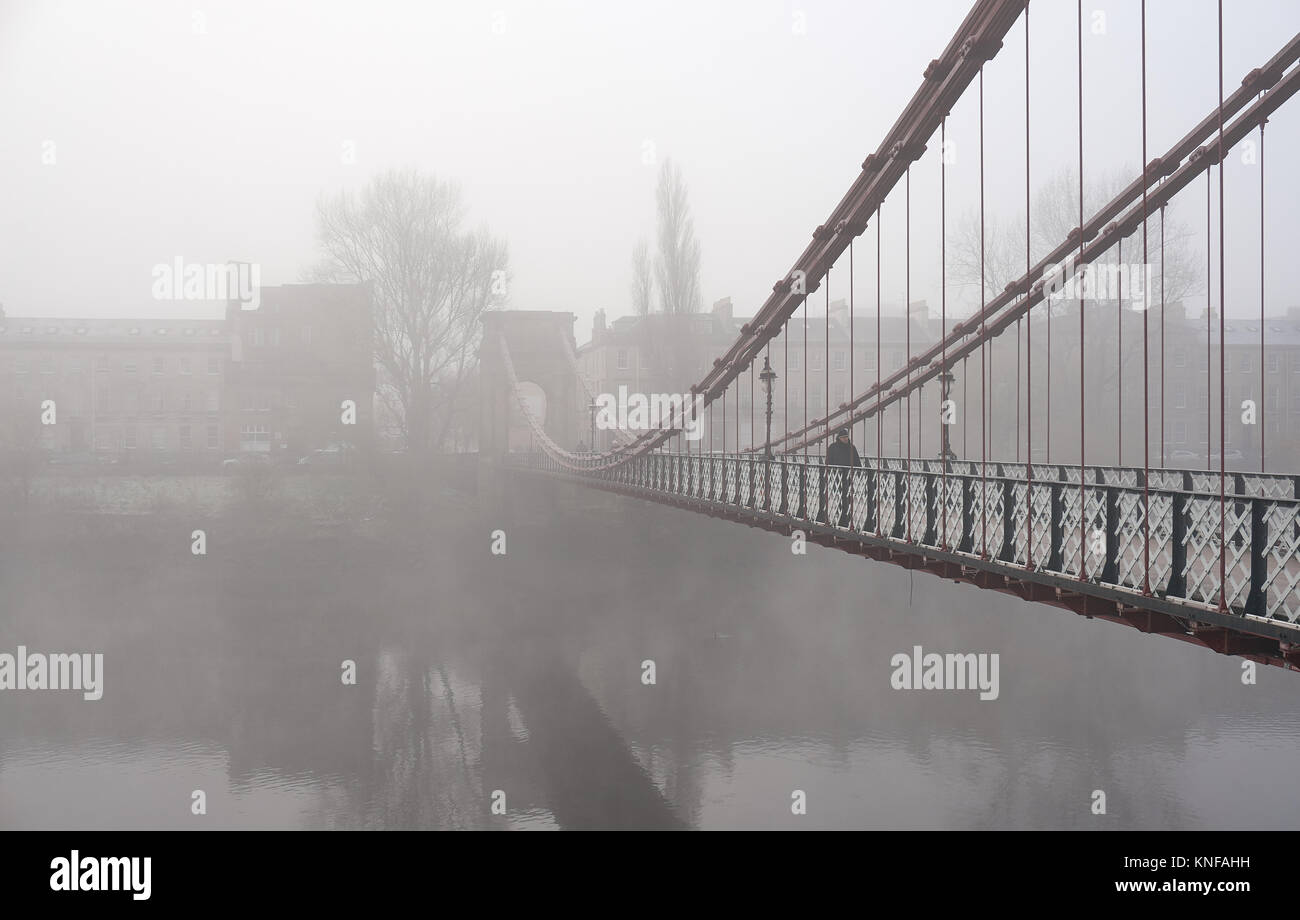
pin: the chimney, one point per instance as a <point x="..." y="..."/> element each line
<point x="598" y="327"/>
<point x="1176" y="311"/>
<point x="722" y="309"/>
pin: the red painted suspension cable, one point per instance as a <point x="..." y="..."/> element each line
<point x="1017" y="391"/>
<point x="1029" y="341"/>
<point x="853" y="355"/>
<point x="1162" y="336"/>
<point x="984" y="444"/>
<point x="1119" y="349"/>
<point x="907" y="333"/>
<point x="1146" y="346"/>
<point x="1083" y="475"/>
<point x="880" y="418"/>
<point x="943" y="329"/>
<point x="1263" y="400"/>
<point x="1223" y="441"/>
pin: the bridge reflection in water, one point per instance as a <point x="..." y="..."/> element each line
<point x="522" y="673"/>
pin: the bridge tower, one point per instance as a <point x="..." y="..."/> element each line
<point x="537" y="341"/>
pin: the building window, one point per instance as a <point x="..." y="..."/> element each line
<point x="837" y="357"/>
<point x="306" y="336"/>
<point x="868" y="359"/>
<point x="255" y="434"/>
<point x="794" y="361"/>
<point x="47" y="364"/>
<point x="621" y="363"/>
<point x="1180" y="432"/>
<point x="160" y="438"/>
<point x="20" y="368"/>
<point x="214" y="365"/>
<point x="129" y="367"/>
<point x="185" y="365"/>
<point x="159" y="365"/>
<point x="250" y="401"/>
<point x="186" y="401"/>
<point x="214" y="400"/>
<point x="159" y="402"/>
<point x="275" y="336"/>
<point x="185" y="437"/>
<point x="258" y="338"/>
<point x="128" y="437"/>
<point x="815" y="362"/>
<point x="214" y="439"/>
<point x="1274" y="363"/>
<point x="1180" y="398"/>
<point x="1245" y="364"/>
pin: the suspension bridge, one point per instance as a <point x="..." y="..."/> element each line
<point x="1209" y="556"/>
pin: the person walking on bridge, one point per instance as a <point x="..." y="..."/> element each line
<point x="841" y="453"/>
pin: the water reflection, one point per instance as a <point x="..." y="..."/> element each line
<point x="772" y="676"/>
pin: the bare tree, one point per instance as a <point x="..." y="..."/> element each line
<point x="677" y="270"/>
<point x="1055" y="213"/>
<point x="430" y="283"/>
<point x="678" y="265"/>
<point x="643" y="281"/>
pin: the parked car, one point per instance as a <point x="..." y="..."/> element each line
<point x="1232" y="455"/>
<point x="245" y="460"/>
<point x="332" y="455"/>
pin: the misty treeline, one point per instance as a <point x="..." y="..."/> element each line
<point x="998" y="254"/>
<point x="665" y="286"/>
<point x="430" y="281"/>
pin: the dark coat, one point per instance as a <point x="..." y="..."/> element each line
<point x="842" y="455"/>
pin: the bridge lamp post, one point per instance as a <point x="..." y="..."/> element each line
<point x="592" y="409"/>
<point x="768" y="376"/>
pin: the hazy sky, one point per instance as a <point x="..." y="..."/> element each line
<point x="207" y="130"/>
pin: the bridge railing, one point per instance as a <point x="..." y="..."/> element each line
<point x="1103" y="530"/>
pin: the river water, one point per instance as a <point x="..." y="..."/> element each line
<point x="515" y="691"/>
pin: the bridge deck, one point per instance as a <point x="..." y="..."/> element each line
<point x="1078" y="544"/>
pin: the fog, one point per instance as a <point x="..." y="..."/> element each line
<point x="208" y="133"/>
<point x="354" y="553"/>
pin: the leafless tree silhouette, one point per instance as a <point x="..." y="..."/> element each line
<point x="430" y="283"/>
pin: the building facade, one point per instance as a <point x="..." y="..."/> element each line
<point x="145" y="391"/>
<point x="817" y="367"/>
